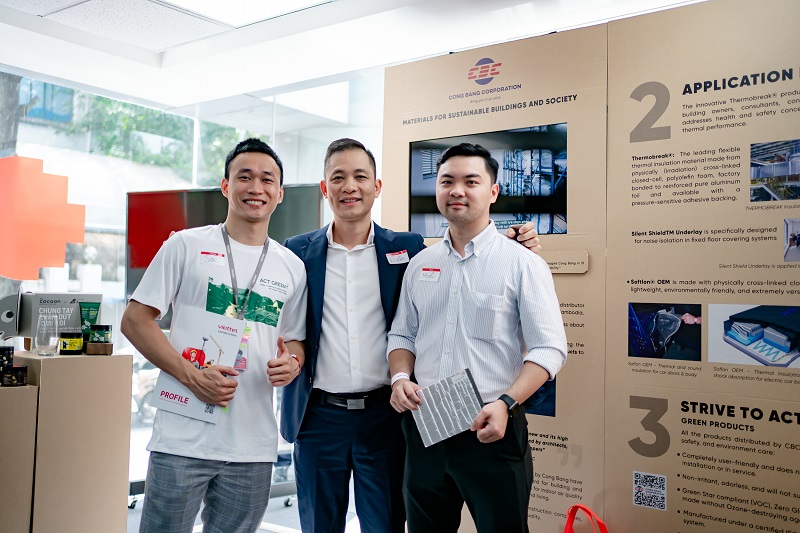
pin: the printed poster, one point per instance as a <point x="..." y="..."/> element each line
<point x="703" y="294"/>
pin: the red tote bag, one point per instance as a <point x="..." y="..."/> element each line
<point x="593" y="518"/>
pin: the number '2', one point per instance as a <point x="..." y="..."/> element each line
<point x="644" y="131"/>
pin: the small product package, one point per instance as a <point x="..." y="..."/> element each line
<point x="65" y="306"/>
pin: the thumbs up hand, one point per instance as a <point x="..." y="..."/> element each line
<point x="285" y="367"/>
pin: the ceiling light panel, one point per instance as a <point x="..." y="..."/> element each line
<point x="141" y="23"/>
<point x="238" y="13"/>
<point x="38" y="7"/>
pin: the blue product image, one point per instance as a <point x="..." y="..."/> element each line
<point x="770" y="334"/>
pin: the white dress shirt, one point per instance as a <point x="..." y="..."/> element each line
<point x="352" y="345"/>
<point x="469" y="312"/>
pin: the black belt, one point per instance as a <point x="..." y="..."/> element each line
<point x="354" y="400"/>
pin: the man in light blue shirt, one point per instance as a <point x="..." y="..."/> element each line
<point x="469" y="302"/>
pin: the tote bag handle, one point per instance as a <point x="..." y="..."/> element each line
<point x="573" y="511"/>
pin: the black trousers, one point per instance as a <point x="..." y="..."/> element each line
<point x="335" y="443"/>
<point x="493" y="479"/>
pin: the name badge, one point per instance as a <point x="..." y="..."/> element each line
<point x="212" y="258"/>
<point x="397" y="258"/>
<point x="430" y="274"/>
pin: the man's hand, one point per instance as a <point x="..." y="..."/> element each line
<point x="284" y="368"/>
<point x="404" y="396"/>
<point x="491" y="422"/>
<point x="689" y="318"/>
<point x="212" y="385"/>
<point x="526" y="235"/>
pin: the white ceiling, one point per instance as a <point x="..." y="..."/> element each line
<point x="152" y="52"/>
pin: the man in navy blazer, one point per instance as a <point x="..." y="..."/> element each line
<point x="337" y="410"/>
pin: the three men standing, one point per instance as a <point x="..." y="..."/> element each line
<point x="335" y="405"/>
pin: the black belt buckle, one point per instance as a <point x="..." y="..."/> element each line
<point x="356" y="403"/>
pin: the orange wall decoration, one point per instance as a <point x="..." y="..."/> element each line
<point x="36" y="221"/>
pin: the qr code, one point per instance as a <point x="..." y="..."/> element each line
<point x="210" y="408"/>
<point x="650" y="490"/>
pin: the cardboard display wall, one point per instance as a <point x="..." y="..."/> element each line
<point x="676" y="265"/>
<point x="80" y="466"/>
<point x="18" y="445"/>
<point x="703" y="159"/>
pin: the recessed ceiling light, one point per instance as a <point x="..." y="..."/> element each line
<point x="240" y="13"/>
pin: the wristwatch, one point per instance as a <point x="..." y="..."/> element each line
<point x="510" y="402"/>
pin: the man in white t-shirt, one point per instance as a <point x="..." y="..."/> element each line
<point x="228" y="269"/>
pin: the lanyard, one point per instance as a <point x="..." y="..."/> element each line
<point x="234" y="284"/>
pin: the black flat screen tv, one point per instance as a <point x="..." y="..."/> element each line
<point x="151" y="216"/>
<point x="532" y="178"/>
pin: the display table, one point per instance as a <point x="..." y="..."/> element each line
<point x="17" y="446"/>
<point x="82" y="442"/>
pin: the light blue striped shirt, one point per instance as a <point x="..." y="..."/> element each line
<point x="476" y="312"/>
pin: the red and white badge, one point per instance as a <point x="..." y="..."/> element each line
<point x="212" y="258"/>
<point x="397" y="258"/>
<point x="430" y="274"/>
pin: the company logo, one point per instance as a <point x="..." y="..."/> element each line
<point x="484" y="71"/>
<point x="49" y="302"/>
<point x="267" y="281"/>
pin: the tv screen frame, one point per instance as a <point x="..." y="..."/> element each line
<point x="532" y="178"/>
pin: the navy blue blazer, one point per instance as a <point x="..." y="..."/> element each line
<point x="312" y="248"/>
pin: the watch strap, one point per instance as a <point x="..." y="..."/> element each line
<point x="509" y="401"/>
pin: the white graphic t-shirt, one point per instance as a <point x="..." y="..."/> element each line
<point x="191" y="269"/>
